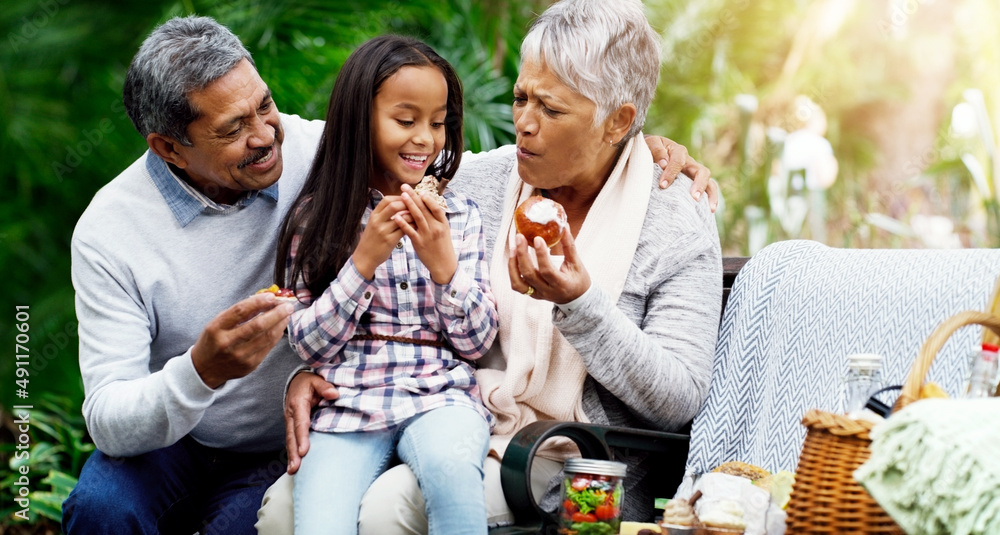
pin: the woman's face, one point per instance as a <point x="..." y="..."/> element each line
<point x="557" y="142"/>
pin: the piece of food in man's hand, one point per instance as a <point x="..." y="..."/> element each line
<point x="281" y="294"/>
<point x="540" y="216"/>
<point x="428" y="188"/>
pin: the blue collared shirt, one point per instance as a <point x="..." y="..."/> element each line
<point x="186" y="202"/>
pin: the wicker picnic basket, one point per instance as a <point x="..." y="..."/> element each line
<point x="826" y="497"/>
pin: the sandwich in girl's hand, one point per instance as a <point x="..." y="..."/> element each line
<point x="428" y="188"/>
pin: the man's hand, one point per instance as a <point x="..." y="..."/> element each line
<point x="236" y="341"/>
<point x="673" y="158"/>
<point x="304" y="392"/>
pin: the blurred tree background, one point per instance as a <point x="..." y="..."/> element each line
<point x="909" y="89"/>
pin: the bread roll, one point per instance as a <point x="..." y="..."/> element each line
<point x="539" y="216"/>
<point x="741" y="469"/>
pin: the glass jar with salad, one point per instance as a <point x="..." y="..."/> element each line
<point x="592" y="494"/>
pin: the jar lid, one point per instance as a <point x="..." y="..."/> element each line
<point x="865" y="361"/>
<point x="991" y="347"/>
<point x="594" y="466"/>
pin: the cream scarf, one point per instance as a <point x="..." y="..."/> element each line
<point x="544" y="374"/>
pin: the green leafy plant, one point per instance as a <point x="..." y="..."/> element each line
<point x="57" y="447"/>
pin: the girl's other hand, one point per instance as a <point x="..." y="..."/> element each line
<point x="380" y="235"/>
<point x="430" y="234"/>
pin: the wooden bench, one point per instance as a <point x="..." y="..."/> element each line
<point x="596" y="442"/>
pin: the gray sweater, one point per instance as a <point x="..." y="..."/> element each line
<point x="148" y="280"/>
<point x="649" y="356"/>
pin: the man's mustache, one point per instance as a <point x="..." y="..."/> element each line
<point x="258" y="155"/>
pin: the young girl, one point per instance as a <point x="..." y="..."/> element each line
<point x="393" y="295"/>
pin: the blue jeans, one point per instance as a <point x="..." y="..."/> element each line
<point x="181" y="489"/>
<point x="445" y="448"/>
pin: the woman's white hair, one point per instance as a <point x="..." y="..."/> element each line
<point x="604" y="50"/>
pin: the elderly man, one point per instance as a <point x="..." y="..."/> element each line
<point x="181" y="364"/>
<point x="180" y="359"/>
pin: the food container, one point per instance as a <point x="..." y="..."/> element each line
<point x="864" y="377"/>
<point x="592" y="494"/>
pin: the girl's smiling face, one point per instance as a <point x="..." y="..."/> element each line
<point x="408" y="126"/>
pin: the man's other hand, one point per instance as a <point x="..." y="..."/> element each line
<point x="304" y="392"/>
<point x="673" y="158"/>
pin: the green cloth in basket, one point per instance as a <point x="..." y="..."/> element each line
<point x="935" y="467"/>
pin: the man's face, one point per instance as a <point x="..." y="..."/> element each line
<point x="236" y="140"/>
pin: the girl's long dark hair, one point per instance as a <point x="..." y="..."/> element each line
<point x="333" y="200"/>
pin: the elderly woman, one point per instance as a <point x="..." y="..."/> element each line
<point x="617" y="323"/>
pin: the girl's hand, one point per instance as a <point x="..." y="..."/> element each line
<point x="430" y="234"/>
<point x="380" y="235"/>
<point x="532" y="268"/>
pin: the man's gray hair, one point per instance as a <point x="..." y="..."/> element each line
<point x="182" y="55"/>
<point x="604" y="50"/>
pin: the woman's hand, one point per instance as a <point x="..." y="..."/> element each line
<point x="304" y="392"/>
<point x="430" y="234"/>
<point x="532" y="272"/>
<point x="380" y="235"/>
<point x="673" y="158"/>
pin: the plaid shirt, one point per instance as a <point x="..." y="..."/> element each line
<point x="381" y="383"/>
